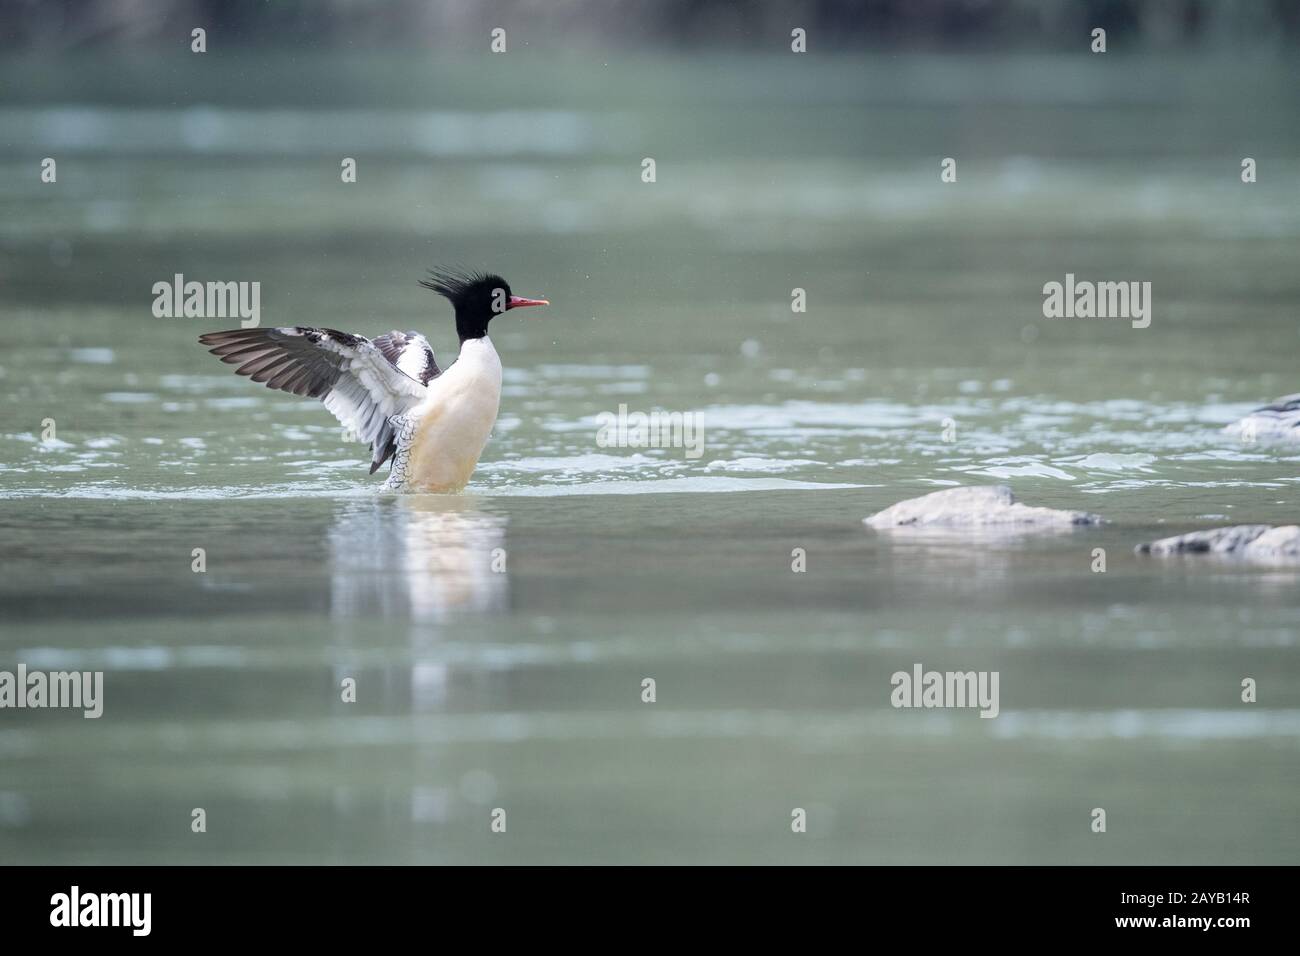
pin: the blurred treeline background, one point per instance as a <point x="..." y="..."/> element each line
<point x="1048" y="25"/>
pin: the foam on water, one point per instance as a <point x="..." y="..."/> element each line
<point x="290" y="449"/>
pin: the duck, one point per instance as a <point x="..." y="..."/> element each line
<point x="432" y="424"/>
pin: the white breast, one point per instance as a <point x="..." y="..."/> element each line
<point x="455" y="421"/>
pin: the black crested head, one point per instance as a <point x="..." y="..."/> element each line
<point x="477" y="297"/>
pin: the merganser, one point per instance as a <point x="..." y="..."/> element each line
<point x="432" y="423"/>
<point x="1279" y="421"/>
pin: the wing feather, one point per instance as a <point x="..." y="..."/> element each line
<point x="357" y="380"/>
<point x="411" y="353"/>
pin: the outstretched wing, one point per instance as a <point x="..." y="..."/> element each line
<point x="411" y="353"/>
<point x="348" y="373"/>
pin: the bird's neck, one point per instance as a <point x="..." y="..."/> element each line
<point x="470" y="327"/>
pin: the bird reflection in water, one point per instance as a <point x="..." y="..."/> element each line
<point x="422" y="558"/>
<point x="404" y="564"/>
<point x="402" y="569"/>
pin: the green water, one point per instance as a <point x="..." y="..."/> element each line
<point x="521" y="688"/>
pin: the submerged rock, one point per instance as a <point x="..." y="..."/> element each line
<point x="1278" y="422"/>
<point x="984" y="506"/>
<point x="1262" y="542"/>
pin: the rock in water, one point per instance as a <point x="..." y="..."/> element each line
<point x="1278" y="422"/>
<point x="1260" y="542"/>
<point x="986" y="506"/>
